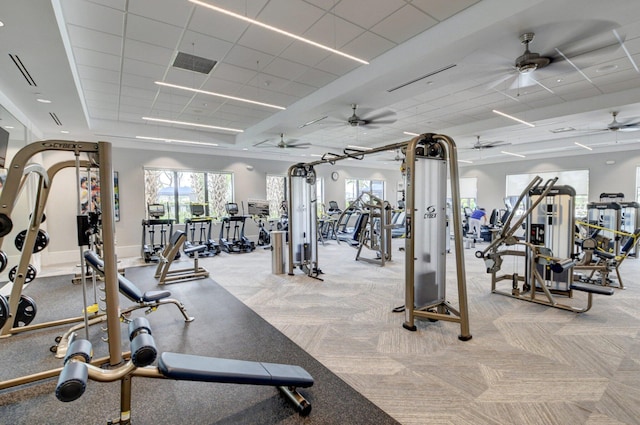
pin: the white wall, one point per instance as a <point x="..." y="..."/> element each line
<point x="619" y="177"/>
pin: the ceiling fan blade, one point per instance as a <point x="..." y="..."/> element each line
<point x="379" y="116"/>
<point x="260" y="143"/>
<point x="630" y="127"/>
<point x="298" y="145"/>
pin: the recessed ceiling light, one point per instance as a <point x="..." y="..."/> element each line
<point x="1" y="24"/>
<point x="278" y="30"/>
<point x="64" y="131"/>
<point x="513" y="154"/>
<point x="189" y="142"/>
<point x="9" y="127"/>
<point x="607" y="68"/>
<point x="513" y="118"/>
<point x="41" y="100"/>
<point x="192" y="124"/>
<point x="160" y="83"/>
<point x="562" y="129"/>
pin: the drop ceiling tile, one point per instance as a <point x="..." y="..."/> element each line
<point x="443" y="9"/>
<point x="103" y="114"/>
<point x="285" y="69"/>
<point x="264" y="40"/>
<point x="143" y="69"/>
<point x="98" y="74"/>
<point x="247" y="58"/>
<point x="353" y="11"/>
<point x="229" y="88"/>
<point x="368" y="46"/>
<point x="338" y="65"/>
<point x="316" y="78"/>
<point x="181" y="77"/>
<point x="94" y="40"/>
<point x="228" y="72"/>
<point x="93" y="16"/>
<point x="96" y="59"/>
<point x="171" y="12"/>
<point x="404" y="24"/>
<point x="98" y="86"/>
<point x="217" y="25"/>
<point x="301" y="53"/>
<point x="291" y="16"/>
<point x="132" y="80"/>
<point x="147" y="52"/>
<point x="153" y="32"/>
<point x="146" y="96"/>
<point x="333" y="31"/>
<point x="204" y="46"/>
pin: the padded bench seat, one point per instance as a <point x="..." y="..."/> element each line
<point x="188" y="367"/>
<point x="127" y="288"/>
<point x="591" y="288"/>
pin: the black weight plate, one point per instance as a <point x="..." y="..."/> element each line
<point x="42" y="240"/>
<point x="26" y="311"/>
<point x="3" y="261"/>
<point x="5" y="225"/>
<point x="4" y="310"/>
<point x="31" y="274"/>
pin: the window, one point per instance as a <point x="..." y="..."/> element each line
<point x="468" y="192"/>
<point x="355" y="187"/>
<point x="177" y="190"/>
<point x="276" y="194"/>
<point x="578" y="179"/>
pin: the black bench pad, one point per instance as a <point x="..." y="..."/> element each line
<point x="594" y="289"/>
<point x="189" y="367"/>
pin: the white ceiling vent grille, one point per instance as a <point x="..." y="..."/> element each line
<point x="194" y="63"/>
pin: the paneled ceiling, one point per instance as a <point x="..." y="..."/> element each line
<point x="434" y="66"/>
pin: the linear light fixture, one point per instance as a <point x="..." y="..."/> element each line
<point x="192" y="124"/>
<point x="278" y="30"/>
<point x="408" y="133"/>
<point x="163" y="139"/>
<point x="583" y="146"/>
<point x="635" y="66"/>
<point x="513" y="118"/>
<point x="574" y="65"/>
<point x="364" y="148"/>
<point x="225" y="96"/>
<point x="513" y="154"/>
<point x="465" y="161"/>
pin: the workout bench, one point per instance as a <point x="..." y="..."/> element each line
<point x="77" y="369"/>
<point x="150" y="300"/>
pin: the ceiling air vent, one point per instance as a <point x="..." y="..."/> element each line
<point x="194" y="63"/>
<point x="55" y="118"/>
<point x="415" y="80"/>
<point x="23" y="70"/>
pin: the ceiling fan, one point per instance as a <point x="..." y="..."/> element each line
<point x="481" y="144"/>
<point x="526" y="68"/>
<point x="616" y="125"/>
<point x="289" y="144"/>
<point x="382" y="118"/>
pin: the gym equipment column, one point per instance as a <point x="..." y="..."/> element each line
<point x="426" y="233"/>
<point x="303" y="236"/>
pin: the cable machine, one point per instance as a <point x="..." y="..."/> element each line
<point x="427" y="156"/>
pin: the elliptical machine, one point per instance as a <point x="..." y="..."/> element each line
<point x="238" y="242"/>
<point x="151" y="250"/>
<point x="200" y="224"/>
